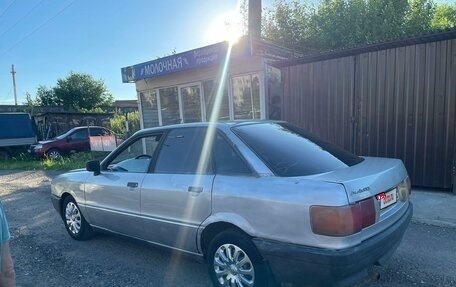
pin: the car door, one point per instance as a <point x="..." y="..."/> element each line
<point x="78" y="141"/>
<point x="113" y="196"/>
<point x="176" y="195"/>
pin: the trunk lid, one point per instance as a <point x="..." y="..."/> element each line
<point x="368" y="178"/>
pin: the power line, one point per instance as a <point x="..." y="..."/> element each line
<point x="37" y="28"/>
<point x="21" y="18"/>
<point x="7" y="8"/>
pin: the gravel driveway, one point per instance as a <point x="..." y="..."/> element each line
<point x="45" y="255"/>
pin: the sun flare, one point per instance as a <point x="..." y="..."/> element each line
<point x="225" y="27"/>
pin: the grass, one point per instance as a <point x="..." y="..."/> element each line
<point x="74" y="161"/>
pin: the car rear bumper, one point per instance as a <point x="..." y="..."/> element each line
<point x="297" y="264"/>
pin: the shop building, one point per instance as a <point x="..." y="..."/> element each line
<point x="220" y="81"/>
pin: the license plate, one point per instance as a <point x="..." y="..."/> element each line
<point x="388" y="198"/>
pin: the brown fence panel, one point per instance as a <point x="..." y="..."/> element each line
<point x="398" y="102"/>
<point x="406" y="109"/>
<point x="319" y="98"/>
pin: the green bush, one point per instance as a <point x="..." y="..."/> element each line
<point x="117" y="123"/>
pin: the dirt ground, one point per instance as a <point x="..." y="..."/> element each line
<point x="45" y="255"/>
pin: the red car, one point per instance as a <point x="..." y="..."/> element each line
<point x="74" y="140"/>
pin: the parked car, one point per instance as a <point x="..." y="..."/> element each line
<point x="17" y="132"/>
<point x="74" y="140"/>
<point x="260" y="201"/>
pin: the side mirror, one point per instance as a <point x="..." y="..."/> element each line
<point x="93" y="165"/>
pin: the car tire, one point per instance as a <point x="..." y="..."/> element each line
<point x="74" y="221"/>
<point x="232" y="257"/>
<point x="54" y="154"/>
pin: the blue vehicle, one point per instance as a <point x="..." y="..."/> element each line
<point x="17" y="133"/>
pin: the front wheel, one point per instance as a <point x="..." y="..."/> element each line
<point x="54" y="154"/>
<point x="75" y="223"/>
<point x="234" y="261"/>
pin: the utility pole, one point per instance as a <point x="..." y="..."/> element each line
<point x="14" y="84"/>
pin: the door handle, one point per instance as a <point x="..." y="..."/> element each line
<point x="196" y="189"/>
<point x="132" y="184"/>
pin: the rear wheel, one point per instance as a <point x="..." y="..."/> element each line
<point x="234" y="261"/>
<point x="75" y="223"/>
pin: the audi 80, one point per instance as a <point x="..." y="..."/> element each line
<point x="261" y="201"/>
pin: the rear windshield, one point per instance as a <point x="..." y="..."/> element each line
<point x="290" y="151"/>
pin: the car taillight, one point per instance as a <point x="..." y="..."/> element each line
<point x="342" y="220"/>
<point x="405" y="189"/>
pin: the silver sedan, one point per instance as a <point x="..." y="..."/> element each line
<point x="263" y="202"/>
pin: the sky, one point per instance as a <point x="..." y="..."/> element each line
<point x="48" y="39"/>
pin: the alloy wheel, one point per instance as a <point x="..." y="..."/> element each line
<point x="73" y="218"/>
<point x="54" y="154"/>
<point x="233" y="267"/>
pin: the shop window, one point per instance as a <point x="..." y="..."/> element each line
<point x="149" y="107"/>
<point x="210" y="96"/>
<point x="274" y="93"/>
<point x="191" y="104"/>
<point x="246" y="97"/>
<point x="169" y="103"/>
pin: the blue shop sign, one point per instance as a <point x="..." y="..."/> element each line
<point x="201" y="57"/>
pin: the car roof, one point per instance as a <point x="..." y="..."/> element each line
<point x="227" y="124"/>
<point x="91" y="127"/>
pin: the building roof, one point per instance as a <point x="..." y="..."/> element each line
<point x="441" y="35"/>
<point x="125" y="104"/>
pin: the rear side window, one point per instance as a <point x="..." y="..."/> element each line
<point x="227" y="160"/>
<point x="289" y="151"/>
<point x="97" y="132"/>
<point x="182" y="152"/>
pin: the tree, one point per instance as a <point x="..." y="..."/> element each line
<point x="444" y="16"/>
<point x="80" y="91"/>
<point x="335" y="24"/>
<point x="46" y="97"/>
<point x="287" y="23"/>
<point x="419" y="16"/>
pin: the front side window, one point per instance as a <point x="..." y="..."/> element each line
<point x="182" y="152"/>
<point x="137" y="156"/>
<point x="289" y="151"/>
<point x="79" y="135"/>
